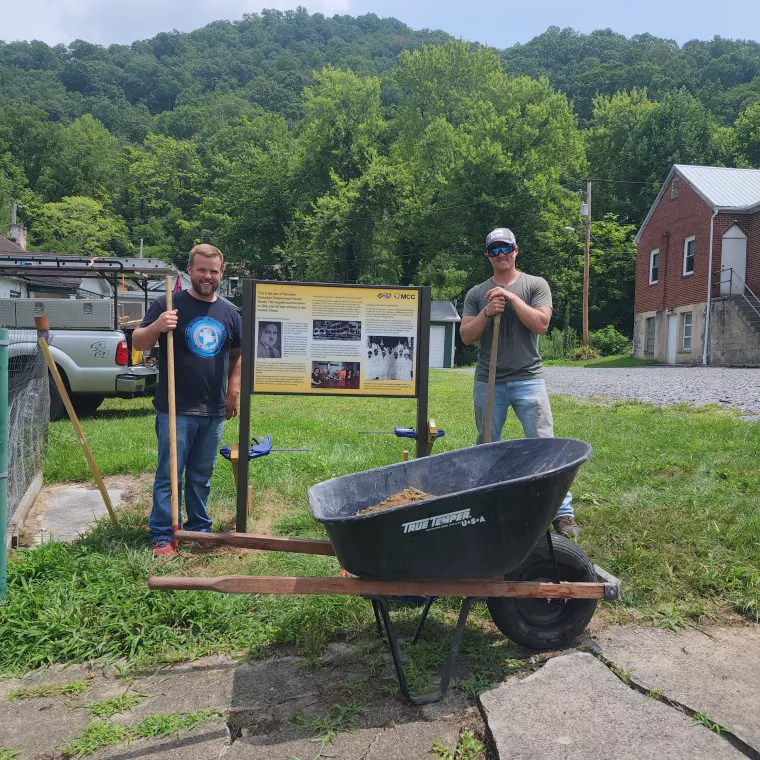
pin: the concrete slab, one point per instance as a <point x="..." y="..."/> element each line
<point x="716" y="673"/>
<point x="204" y="684"/>
<point x="69" y="512"/>
<point x="209" y="741"/>
<point x="411" y="741"/>
<point x="266" y="694"/>
<point x="574" y="708"/>
<point x="38" y="727"/>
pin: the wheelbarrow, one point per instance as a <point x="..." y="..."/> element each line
<point x="484" y="536"/>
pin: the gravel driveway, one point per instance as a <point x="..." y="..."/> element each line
<point x="663" y="385"/>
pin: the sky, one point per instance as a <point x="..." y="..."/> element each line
<point x="500" y="23"/>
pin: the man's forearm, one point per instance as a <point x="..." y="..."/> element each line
<point x="471" y="331"/>
<point x="536" y="321"/>
<point x="233" y="376"/>
<point x="144" y="338"/>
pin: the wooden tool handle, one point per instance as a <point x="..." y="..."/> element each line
<point x="495" y="587"/>
<point x="94" y="469"/>
<point x="492" y="377"/>
<point x="172" y="413"/>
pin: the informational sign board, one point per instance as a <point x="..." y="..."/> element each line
<point x="335" y="339"/>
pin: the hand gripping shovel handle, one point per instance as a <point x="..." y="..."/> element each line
<point x="172" y="415"/>
<point x="492" y="377"/>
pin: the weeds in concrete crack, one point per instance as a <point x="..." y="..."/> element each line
<point x="468" y="748"/>
<point x="9" y="754"/>
<point x="655" y="694"/>
<point x="622" y="674"/>
<point x="104" y="733"/>
<point x="72" y="688"/>
<point x="326" y="728"/>
<point x="106" y="708"/>
<point x="703" y="720"/>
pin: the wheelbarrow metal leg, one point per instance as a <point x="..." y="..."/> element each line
<point x="456" y="640"/>
<point x="420" y="623"/>
<point x="554" y="558"/>
<point x="376" y="610"/>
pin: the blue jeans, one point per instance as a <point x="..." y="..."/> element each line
<point x="531" y="404"/>
<point x="198" y="441"/>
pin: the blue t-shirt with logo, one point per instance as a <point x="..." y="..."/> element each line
<point x="205" y="333"/>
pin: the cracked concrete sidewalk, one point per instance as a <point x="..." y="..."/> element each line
<point x="573" y="708"/>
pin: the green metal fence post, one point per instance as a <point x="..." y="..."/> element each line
<point x="3" y="462"/>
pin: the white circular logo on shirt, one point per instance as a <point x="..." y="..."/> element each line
<point x="205" y="336"/>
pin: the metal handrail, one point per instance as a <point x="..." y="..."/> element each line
<point x="732" y="274"/>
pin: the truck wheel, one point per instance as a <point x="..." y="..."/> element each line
<point x="86" y="402"/>
<point x="57" y="409"/>
<point x="546" y="623"/>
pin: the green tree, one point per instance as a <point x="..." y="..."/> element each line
<point x="633" y="142"/>
<point x="748" y="134"/>
<point x="341" y="129"/>
<point x="80" y="226"/>
<point x="86" y="163"/>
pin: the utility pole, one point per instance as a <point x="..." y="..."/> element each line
<point x="586" y="264"/>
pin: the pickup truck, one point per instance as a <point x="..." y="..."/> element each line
<point x="94" y="363"/>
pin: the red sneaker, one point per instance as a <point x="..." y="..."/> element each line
<point x="164" y="549"/>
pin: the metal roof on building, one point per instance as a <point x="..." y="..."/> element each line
<point x="443" y="311"/>
<point x="722" y="188"/>
<point x="731" y="189"/>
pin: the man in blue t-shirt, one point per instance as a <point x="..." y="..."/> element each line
<point x="207" y="340"/>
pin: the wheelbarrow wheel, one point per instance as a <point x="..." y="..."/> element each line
<point x="544" y="624"/>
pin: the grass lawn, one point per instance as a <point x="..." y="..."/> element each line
<point x="669" y="503"/>
<point x="625" y="360"/>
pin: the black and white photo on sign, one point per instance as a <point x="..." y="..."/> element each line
<point x="336" y="329"/>
<point x="269" y="344"/>
<point x="389" y="357"/>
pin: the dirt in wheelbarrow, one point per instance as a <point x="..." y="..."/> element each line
<point x="407" y="496"/>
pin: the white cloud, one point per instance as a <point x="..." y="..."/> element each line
<point x="123" y="21"/>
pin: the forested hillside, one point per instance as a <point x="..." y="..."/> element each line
<point x="359" y="150"/>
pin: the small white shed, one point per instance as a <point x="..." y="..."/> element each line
<point x="443" y="320"/>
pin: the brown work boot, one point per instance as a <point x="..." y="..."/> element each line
<point x="566" y="526"/>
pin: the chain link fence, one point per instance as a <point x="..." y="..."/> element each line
<point x="28" y="415"/>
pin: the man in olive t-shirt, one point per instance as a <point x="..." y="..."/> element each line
<point x="525" y="305"/>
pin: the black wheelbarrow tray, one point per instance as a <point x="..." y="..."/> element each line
<point x="484" y="536"/>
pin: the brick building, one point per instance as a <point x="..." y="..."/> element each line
<point x="704" y="227"/>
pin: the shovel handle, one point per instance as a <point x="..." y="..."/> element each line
<point x="492" y="377"/>
<point x="174" y="477"/>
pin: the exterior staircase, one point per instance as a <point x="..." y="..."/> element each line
<point x="748" y="307"/>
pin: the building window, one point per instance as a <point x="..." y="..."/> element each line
<point x="688" y="256"/>
<point x="15" y="293"/>
<point x="674" y="188"/>
<point x="650" y="336"/>
<point x="686" y="330"/>
<point x="654" y="266"/>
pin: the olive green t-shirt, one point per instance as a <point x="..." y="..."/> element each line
<point x="518" y="346"/>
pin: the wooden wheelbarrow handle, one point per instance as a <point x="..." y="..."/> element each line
<point x="478" y="587"/>
<point x="253" y="541"/>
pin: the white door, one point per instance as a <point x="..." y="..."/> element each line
<point x="437" y="343"/>
<point x="672" y="338"/>
<point x="733" y="257"/>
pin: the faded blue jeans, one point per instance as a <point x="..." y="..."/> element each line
<point x="198" y="441"/>
<point x="531" y="404"/>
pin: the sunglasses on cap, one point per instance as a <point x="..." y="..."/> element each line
<point x="505" y="249"/>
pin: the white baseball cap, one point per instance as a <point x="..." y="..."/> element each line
<point x="500" y="235"/>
